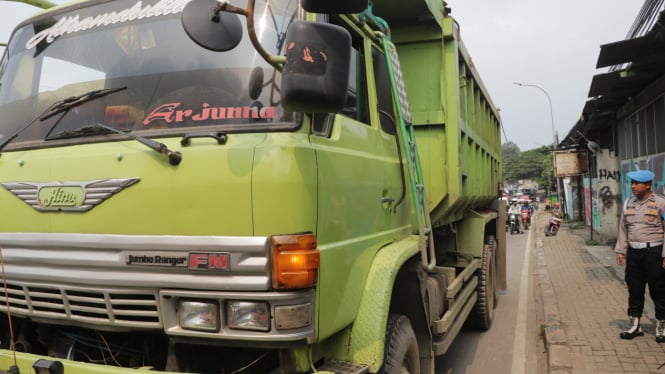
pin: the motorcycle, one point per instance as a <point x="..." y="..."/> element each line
<point x="526" y="218"/>
<point x="552" y="227"/>
<point x="514" y="224"/>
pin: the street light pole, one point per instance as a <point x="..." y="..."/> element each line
<point x="549" y="101"/>
<point x="554" y="140"/>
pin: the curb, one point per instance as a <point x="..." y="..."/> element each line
<point x="559" y="359"/>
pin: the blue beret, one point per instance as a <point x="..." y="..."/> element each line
<point x="641" y="175"/>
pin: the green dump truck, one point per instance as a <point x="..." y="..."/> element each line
<point x="266" y="187"/>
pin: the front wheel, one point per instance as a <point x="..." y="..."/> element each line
<point x="401" y="347"/>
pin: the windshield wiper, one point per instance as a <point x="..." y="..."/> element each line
<point x="60" y="107"/>
<point x="97" y="128"/>
<point x="70" y="102"/>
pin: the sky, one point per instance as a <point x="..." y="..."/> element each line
<point x="550" y="44"/>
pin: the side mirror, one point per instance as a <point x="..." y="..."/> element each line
<point x="220" y="32"/>
<point x="334" y="6"/>
<point x="315" y="77"/>
<point x="256" y="83"/>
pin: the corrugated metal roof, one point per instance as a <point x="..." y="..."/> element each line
<point x="635" y="64"/>
<point x="629" y="50"/>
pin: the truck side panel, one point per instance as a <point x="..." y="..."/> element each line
<point x="457" y="127"/>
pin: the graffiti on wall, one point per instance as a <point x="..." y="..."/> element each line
<point x="607" y="175"/>
<point x="591" y="203"/>
<point x="607" y="198"/>
<point x="655" y="163"/>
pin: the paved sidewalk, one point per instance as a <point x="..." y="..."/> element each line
<point x="584" y="301"/>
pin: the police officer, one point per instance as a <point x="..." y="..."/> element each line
<point x="640" y="247"/>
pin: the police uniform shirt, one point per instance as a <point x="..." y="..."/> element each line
<point x="642" y="222"/>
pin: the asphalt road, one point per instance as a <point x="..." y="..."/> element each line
<point x="513" y="345"/>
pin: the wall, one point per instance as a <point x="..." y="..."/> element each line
<point x="605" y="194"/>
<point x="655" y="163"/>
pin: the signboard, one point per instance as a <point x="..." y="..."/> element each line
<point x="570" y="163"/>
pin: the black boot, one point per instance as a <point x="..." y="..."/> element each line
<point x="660" y="331"/>
<point x="634" y="329"/>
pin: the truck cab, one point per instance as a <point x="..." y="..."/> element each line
<point x="195" y="186"/>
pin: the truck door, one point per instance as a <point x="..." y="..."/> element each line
<point x="395" y="194"/>
<point x="358" y="185"/>
<point x="359" y="168"/>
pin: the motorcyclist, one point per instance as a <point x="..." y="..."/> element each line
<point x="555" y="215"/>
<point x="526" y="208"/>
<point x="515" y="209"/>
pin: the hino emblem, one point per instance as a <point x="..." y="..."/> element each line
<point x="67" y="196"/>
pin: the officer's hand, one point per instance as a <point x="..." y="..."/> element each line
<point x="620" y="259"/>
<point x="664" y="263"/>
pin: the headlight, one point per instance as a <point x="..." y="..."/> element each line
<point x="198" y="315"/>
<point x="248" y="315"/>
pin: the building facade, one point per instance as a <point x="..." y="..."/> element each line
<point x="622" y="124"/>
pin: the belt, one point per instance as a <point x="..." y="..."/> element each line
<point x="641" y="245"/>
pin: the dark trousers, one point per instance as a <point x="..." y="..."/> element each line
<point x="645" y="266"/>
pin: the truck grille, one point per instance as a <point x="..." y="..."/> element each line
<point x="118" y="308"/>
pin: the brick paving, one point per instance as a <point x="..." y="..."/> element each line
<point x="584" y="302"/>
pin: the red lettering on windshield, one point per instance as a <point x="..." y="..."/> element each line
<point x="163" y="112"/>
<point x="170" y="113"/>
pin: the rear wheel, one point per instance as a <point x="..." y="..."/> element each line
<point x="401" y="347"/>
<point x="483" y="312"/>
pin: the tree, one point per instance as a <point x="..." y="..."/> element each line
<point x="534" y="164"/>
<point x="509" y="153"/>
<point x="547" y="175"/>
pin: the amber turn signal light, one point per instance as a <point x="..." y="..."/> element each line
<point x="295" y="261"/>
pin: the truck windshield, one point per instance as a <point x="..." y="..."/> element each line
<point x="172" y="85"/>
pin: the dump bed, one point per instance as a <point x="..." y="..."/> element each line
<point x="458" y="128"/>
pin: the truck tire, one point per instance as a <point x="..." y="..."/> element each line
<point x="483" y="312"/>
<point x="401" y="354"/>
